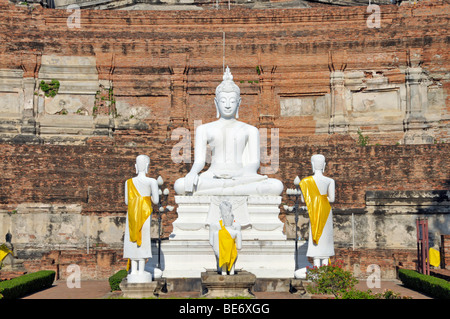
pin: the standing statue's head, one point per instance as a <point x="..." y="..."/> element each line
<point x="226" y="213"/>
<point x="142" y="163"/>
<point x="228" y="97"/>
<point x="318" y="162"/>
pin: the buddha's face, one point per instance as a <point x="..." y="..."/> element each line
<point x="227" y="104"/>
<point x="228" y="219"/>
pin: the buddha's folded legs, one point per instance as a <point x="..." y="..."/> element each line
<point x="266" y="186"/>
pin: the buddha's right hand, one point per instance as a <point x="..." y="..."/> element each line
<point x="190" y="180"/>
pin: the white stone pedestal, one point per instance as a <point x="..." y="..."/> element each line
<point x="142" y="290"/>
<point x="258" y="216"/>
<point x="218" y="286"/>
<point x="141" y="278"/>
<point x="265" y="250"/>
<point x="264" y="258"/>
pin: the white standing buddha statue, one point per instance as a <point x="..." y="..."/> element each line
<point x="235" y="152"/>
<point x="226" y="240"/>
<point x="318" y="191"/>
<point x="140" y="192"/>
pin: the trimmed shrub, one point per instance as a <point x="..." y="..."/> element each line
<point x="116" y="279"/>
<point x="26" y="284"/>
<point x="358" y="294"/>
<point x="432" y="286"/>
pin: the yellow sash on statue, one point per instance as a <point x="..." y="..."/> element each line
<point x="139" y="209"/>
<point x="4" y="251"/>
<point x="318" y="207"/>
<point x="227" y="248"/>
<point x="435" y="258"/>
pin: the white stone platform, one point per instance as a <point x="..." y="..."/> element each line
<point x="265" y="250"/>
<point x="264" y="258"/>
<point x="258" y="216"/>
<point x="219" y="286"/>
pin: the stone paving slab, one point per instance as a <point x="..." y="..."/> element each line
<point x="394" y="285"/>
<point x="100" y="289"/>
<point x="95" y="289"/>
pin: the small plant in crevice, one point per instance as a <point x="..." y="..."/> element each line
<point x="362" y="140"/>
<point x="104" y="103"/>
<point x="50" y="89"/>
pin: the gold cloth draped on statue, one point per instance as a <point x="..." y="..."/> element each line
<point x="318" y="207"/>
<point x="227" y="248"/>
<point x="435" y="258"/>
<point x="139" y="209"/>
<point x="4" y="251"/>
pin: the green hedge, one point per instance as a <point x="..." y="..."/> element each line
<point x="432" y="286"/>
<point x="116" y="279"/>
<point x="26" y="284"/>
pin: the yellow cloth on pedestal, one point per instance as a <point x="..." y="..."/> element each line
<point x="139" y="209"/>
<point x="318" y="207"/>
<point x="227" y="248"/>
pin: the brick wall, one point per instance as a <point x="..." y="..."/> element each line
<point x="97" y="265"/>
<point x="171" y="62"/>
<point x="100" y="264"/>
<point x="388" y="260"/>
<point x="93" y="175"/>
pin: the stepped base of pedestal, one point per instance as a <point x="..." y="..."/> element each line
<point x="265" y="252"/>
<point x="142" y="290"/>
<point x="229" y="286"/>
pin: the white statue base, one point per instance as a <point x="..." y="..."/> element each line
<point x="265" y="250"/>
<point x="257" y="215"/>
<point x="139" y="278"/>
<point x="142" y="290"/>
